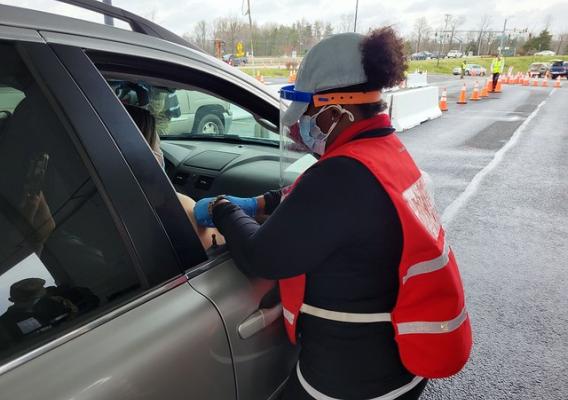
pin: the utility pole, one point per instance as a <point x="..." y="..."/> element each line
<point x="251" y="39"/>
<point x="356" y="12"/>
<point x="502" y="37"/>
<point x="441" y="47"/>
<point x="108" y="20"/>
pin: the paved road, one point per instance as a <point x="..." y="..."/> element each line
<point x="499" y="167"/>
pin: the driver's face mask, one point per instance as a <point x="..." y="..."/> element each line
<point x="311" y="133"/>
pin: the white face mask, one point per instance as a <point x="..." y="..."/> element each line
<point x="312" y="135"/>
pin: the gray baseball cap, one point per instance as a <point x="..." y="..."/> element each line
<point x="335" y="62"/>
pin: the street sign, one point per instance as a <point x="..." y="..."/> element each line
<point x="240" y="50"/>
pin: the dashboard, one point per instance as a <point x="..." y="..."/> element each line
<point x="209" y="168"/>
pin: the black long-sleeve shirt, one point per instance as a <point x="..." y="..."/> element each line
<point x="340" y="228"/>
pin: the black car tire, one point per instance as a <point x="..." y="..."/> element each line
<point x="210" y="124"/>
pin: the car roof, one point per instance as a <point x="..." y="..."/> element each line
<point x="81" y="29"/>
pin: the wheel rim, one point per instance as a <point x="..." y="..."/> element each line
<point x="210" y="127"/>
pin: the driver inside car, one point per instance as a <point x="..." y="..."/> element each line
<point x="146" y="123"/>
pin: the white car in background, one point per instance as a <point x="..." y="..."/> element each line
<point x="455" y="54"/>
<point x="471" y="70"/>
<point x="545" y="53"/>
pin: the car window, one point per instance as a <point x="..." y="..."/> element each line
<point x="181" y="112"/>
<point x="62" y="260"/>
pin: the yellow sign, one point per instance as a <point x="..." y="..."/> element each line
<point x="240" y="49"/>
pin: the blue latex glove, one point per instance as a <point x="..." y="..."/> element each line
<point x="201" y="212"/>
<point x="248" y="204"/>
<point x="201" y="209"/>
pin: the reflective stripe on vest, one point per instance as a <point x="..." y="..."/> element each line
<point x="406" y="328"/>
<point x="403" y="328"/>
<point x="432" y="265"/>
<point x="316" y="394"/>
<point x="345" y="316"/>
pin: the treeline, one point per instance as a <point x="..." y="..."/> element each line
<point x="276" y="40"/>
<point x="483" y="38"/>
<point x="268" y="40"/>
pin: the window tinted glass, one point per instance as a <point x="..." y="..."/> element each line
<point x="181" y="112"/>
<point x="61" y="258"/>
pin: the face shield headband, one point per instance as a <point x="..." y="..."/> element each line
<point x="338" y="98"/>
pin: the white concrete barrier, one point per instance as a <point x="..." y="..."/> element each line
<point x="409" y="108"/>
<point x="416" y="80"/>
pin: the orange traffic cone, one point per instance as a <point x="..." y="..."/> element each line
<point x="489" y="85"/>
<point x="291" y="77"/>
<point x="475" y="94"/>
<point x="498" y="89"/>
<point x="444" y="100"/>
<point x="463" y="95"/>
<point x="557" y="83"/>
<point x="535" y="82"/>
<point x="485" y="90"/>
<point x="545" y="82"/>
<point x="526" y="81"/>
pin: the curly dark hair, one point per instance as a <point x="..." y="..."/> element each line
<point x="383" y="58"/>
<point x="384" y="64"/>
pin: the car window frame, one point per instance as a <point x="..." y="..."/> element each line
<point x="104" y="162"/>
<point x="152" y="181"/>
<point x="135" y="64"/>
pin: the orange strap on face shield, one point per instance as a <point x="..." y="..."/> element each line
<point x="346" y="98"/>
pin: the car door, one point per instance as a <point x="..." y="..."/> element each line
<point x="95" y="304"/>
<point x="261" y="353"/>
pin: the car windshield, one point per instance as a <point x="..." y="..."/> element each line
<point x="189" y="113"/>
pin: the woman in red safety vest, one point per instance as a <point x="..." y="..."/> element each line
<point x="369" y="285"/>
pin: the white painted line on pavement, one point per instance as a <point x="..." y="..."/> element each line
<point x="452" y="210"/>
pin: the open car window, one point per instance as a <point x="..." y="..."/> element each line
<point x="183" y="113"/>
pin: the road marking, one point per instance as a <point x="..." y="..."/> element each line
<point x="452" y="210"/>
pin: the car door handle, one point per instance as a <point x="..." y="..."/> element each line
<point x="259" y="320"/>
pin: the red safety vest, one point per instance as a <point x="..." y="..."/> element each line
<point x="432" y="328"/>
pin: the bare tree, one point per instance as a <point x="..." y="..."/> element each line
<point x="421" y="31"/>
<point x="484" y="23"/>
<point x="455" y="22"/>
<point x="548" y="22"/>
<point x="230" y="30"/>
<point x="345" y="23"/>
<point x="562" y="40"/>
<point x="200" y="34"/>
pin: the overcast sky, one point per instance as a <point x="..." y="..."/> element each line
<point x="180" y="15"/>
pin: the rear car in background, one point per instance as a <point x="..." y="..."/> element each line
<point x="538" y="70"/>
<point x="559" y="68"/>
<point x="455" y="54"/>
<point x="421" y="55"/>
<point x="233" y="60"/>
<point x="547" y="53"/>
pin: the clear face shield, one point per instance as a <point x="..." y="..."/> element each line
<point x="295" y="156"/>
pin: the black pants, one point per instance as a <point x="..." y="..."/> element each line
<point x="495" y="79"/>
<point x="295" y="391"/>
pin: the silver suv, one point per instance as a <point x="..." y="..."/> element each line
<point x="105" y="289"/>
